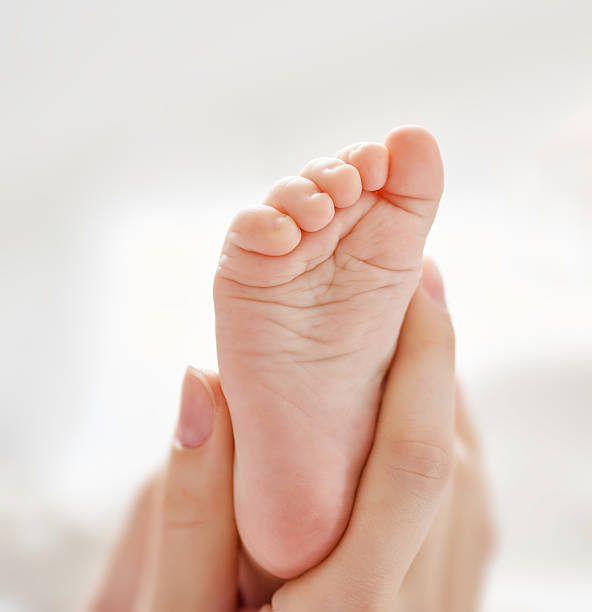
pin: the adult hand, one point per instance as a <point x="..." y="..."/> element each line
<point x="179" y="548"/>
<point x="419" y="533"/>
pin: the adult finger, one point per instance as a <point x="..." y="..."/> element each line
<point x="406" y="473"/>
<point x="119" y="586"/>
<point x="464" y="425"/>
<point x="471" y="536"/>
<point x="196" y="552"/>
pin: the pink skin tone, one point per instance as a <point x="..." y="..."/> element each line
<point x="419" y="535"/>
<point x="310" y="294"/>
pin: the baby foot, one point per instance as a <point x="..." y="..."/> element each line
<point x="310" y="293"/>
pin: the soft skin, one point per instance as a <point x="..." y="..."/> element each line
<point x="420" y="532"/>
<point x="310" y="293"/>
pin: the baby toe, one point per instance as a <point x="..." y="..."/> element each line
<point x="264" y="230"/>
<point x="340" y="180"/>
<point x="300" y="198"/>
<point x="371" y="159"/>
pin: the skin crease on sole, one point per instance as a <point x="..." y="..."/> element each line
<point x="310" y="294"/>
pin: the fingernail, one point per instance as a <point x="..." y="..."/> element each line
<point x="432" y="282"/>
<point x="196" y="416"/>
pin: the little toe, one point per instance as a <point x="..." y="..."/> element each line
<point x="371" y="159"/>
<point x="340" y="180"/>
<point x="416" y="174"/>
<point x="264" y="230"/>
<point x="300" y="198"/>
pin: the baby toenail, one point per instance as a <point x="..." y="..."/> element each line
<point x="279" y="221"/>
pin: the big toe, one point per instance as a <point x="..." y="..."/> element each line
<point x="416" y="175"/>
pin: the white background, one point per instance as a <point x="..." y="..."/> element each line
<point x="130" y="133"/>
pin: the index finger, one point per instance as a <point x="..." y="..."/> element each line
<point x="406" y="473"/>
<point x="412" y="457"/>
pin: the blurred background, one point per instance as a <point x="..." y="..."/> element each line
<point x="130" y="133"/>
